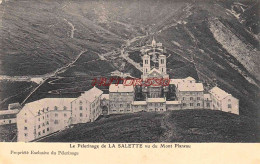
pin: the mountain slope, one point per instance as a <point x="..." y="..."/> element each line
<point x="175" y="126"/>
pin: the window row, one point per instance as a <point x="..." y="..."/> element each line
<point x="191" y="98"/>
<point x="191" y="104"/>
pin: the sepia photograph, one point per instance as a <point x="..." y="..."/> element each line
<point x="130" y="71"/>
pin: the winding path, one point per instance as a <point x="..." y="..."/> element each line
<point x="72" y="28"/>
<point x="171" y="131"/>
<point x="60" y="70"/>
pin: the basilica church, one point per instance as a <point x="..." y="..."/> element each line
<point x="188" y="93"/>
<point x="154" y="66"/>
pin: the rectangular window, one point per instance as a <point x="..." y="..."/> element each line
<point x="198" y="104"/>
<point x="64" y="108"/>
<point x="39" y="133"/>
<point x="198" y="98"/>
<point x="39" y="119"/>
<point x="43" y="117"/>
<point x="229" y="106"/>
<point x="121" y="105"/>
<point x="191" y="104"/>
<point x="65" y="115"/>
<point x="81" y="115"/>
<point x="39" y="126"/>
<point x="48" y="129"/>
<point x="25" y="134"/>
<point x="25" y="121"/>
<point x="56" y="121"/>
<point x="183" y="98"/>
<point x="56" y="114"/>
<point x="55" y="108"/>
<point x="47" y="123"/>
<point x="208" y="105"/>
<point x="43" y="131"/>
<point x="25" y="128"/>
<point x="184" y="104"/>
<point x="191" y="98"/>
<point x="80" y="108"/>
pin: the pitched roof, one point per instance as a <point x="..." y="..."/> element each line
<point x="92" y="94"/>
<point x="173" y="102"/>
<point x="47" y="103"/>
<point x="13" y="111"/>
<point x="218" y="93"/>
<point x="190" y="78"/>
<point x="14" y="106"/>
<point x="139" y="103"/>
<point x="177" y="81"/>
<point x="155" y="70"/>
<point x="180" y="81"/>
<point x="155" y="100"/>
<point x="106" y="96"/>
<point x="191" y="87"/>
<point x="120" y="88"/>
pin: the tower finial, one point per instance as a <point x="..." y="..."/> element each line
<point x="153" y="42"/>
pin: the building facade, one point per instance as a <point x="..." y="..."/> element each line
<point x="224" y="101"/>
<point x="191" y="94"/>
<point x="86" y="108"/>
<point x="42" y="117"/>
<point x="9" y="116"/>
<point x="120" y="98"/>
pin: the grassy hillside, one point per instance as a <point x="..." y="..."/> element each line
<point x="8" y="133"/>
<point x="175" y="126"/>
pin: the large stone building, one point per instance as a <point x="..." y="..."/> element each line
<point x="49" y="115"/>
<point x="155" y="71"/>
<point x="120" y="98"/>
<point x="86" y="108"/>
<point x="9" y="116"/>
<point x="42" y="117"/>
<point x="224" y="101"/>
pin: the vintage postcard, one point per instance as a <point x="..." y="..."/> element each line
<point x="159" y="80"/>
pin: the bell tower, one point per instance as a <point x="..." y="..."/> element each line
<point x="162" y="64"/>
<point x="146" y="64"/>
